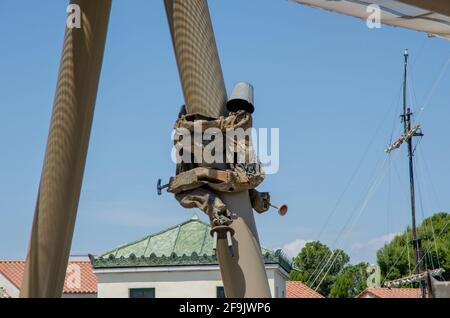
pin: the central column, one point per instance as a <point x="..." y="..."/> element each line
<point x="204" y="92"/>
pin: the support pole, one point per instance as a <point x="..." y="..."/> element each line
<point x="204" y="91"/>
<point x="65" y="156"/>
<point x="244" y="275"/>
<point x="407" y="127"/>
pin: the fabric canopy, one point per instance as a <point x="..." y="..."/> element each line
<point x="411" y="14"/>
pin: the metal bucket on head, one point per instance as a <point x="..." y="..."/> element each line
<point x="241" y="98"/>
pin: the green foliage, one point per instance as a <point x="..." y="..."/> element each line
<point x="351" y="282"/>
<point x="310" y="262"/>
<point x="396" y="258"/>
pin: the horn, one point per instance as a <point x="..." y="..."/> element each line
<point x="282" y="209"/>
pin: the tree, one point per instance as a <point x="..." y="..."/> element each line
<point x="317" y="266"/>
<point x="351" y="282"/>
<point x="396" y="258"/>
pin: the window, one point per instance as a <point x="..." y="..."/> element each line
<point x="220" y="292"/>
<point x="142" y="293"/>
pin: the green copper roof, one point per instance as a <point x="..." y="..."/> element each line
<point x="188" y="243"/>
<point x="185" y="238"/>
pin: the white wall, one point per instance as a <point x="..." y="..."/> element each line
<point x="173" y="281"/>
<point x="280" y="277"/>
<point x="277" y="280"/>
<point x="181" y="284"/>
<point x="271" y="278"/>
<point x="14" y="292"/>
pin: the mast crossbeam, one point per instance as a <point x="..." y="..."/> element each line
<point x="414" y="132"/>
<point x="413" y="278"/>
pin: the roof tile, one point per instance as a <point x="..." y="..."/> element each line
<point x="14" y="270"/>
<point x="297" y="289"/>
<point x="390" y="293"/>
<point x="187" y="243"/>
<point x="185" y="238"/>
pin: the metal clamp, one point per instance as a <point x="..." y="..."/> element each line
<point x="222" y="232"/>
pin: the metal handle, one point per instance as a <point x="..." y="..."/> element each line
<point x="159" y="187"/>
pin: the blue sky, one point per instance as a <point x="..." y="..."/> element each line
<point x="328" y="82"/>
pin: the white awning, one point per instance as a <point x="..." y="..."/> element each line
<point x="393" y="12"/>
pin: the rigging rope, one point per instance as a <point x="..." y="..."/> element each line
<point x="440" y="233"/>
<point x="313" y="275"/>
<point x="423" y="216"/>
<point x="355" y="217"/>
<point x="428" y="251"/>
<point x="407" y="251"/>
<point x="372" y="140"/>
<point x="427" y="171"/>
<point x="389" y="112"/>
<point x="419" y="191"/>
<point x="331" y="256"/>
<point x="329" y="268"/>
<point x="395" y="263"/>
<point x="433" y="88"/>
<point x="323" y="265"/>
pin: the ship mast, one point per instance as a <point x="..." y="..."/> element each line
<point x="408" y="133"/>
<point x="406" y="118"/>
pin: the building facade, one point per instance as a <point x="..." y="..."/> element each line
<point x="178" y="262"/>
